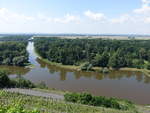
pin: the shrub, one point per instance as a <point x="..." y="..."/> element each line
<point x="85" y="98"/>
<point x="71" y="97"/>
<point x="88" y="99"/>
<point x="86" y="66"/>
<point x="16" y="107"/>
<point x="20" y="82"/>
<point x="148" y="66"/>
<point x="4" y="79"/>
<point x="105" y="70"/>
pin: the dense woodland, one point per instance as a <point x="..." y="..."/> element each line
<point x="97" y="52"/>
<point x="15" y="37"/>
<point x="13" y="53"/>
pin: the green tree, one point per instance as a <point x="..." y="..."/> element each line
<point x="4" y="80"/>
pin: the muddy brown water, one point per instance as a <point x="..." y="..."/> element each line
<point x="134" y="86"/>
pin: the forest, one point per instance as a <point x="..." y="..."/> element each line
<point x="13" y="53"/>
<point x="95" y="52"/>
<point x="15" y="37"/>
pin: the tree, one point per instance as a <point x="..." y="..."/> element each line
<point x="13" y="53"/>
<point x="113" y="61"/>
<point x="101" y="60"/>
<point x="19" y="61"/>
<point x="4" y="80"/>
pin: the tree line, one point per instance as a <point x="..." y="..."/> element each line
<point x="15" y="37"/>
<point x="98" y="52"/>
<point x="13" y="53"/>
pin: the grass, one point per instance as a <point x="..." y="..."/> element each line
<point x="52" y="106"/>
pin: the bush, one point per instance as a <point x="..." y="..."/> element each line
<point x="71" y="97"/>
<point x="20" y="82"/>
<point x="16" y="107"/>
<point x="85" y="98"/>
<point x="105" y="70"/>
<point x="4" y="79"/>
<point x="148" y="66"/>
<point x="86" y="66"/>
<point x="88" y="99"/>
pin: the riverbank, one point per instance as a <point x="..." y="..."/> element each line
<point x="96" y="69"/>
<point x="29" y="66"/>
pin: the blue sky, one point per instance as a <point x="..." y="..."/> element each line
<point x="75" y="16"/>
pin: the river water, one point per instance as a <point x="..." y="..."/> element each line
<point x="134" y="86"/>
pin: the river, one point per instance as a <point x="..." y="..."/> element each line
<point x="134" y="86"/>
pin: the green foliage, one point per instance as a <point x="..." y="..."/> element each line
<point x="19" y="61"/>
<point x="18" y="82"/>
<point x="32" y="104"/>
<point x="138" y="63"/>
<point x="15" y="38"/>
<point x="101" y="60"/>
<point x="86" y="67"/>
<point x="4" y="80"/>
<point x="13" y="53"/>
<point x="88" y="99"/>
<point x="148" y="66"/>
<point x="16" y="107"/>
<point x="102" y="53"/>
<point x="72" y="97"/>
<point x="105" y="70"/>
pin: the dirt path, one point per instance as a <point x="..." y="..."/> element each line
<point x="35" y="93"/>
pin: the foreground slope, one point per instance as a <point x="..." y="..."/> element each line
<point x="49" y="105"/>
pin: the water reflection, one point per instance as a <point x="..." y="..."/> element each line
<point x="113" y="75"/>
<point x="14" y="70"/>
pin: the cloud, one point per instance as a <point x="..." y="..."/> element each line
<point x="7" y="16"/>
<point x="145" y="9"/>
<point x="136" y="21"/>
<point x="140" y="15"/>
<point x="42" y="17"/>
<point x="122" y="19"/>
<point x="67" y="19"/>
<point x="147" y="20"/>
<point x="95" y="16"/>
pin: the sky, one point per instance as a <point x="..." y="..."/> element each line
<point x="75" y="16"/>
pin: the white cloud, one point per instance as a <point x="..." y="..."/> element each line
<point x="11" y="17"/>
<point x="122" y="19"/>
<point x="136" y="21"/>
<point x="145" y="9"/>
<point x="8" y="16"/>
<point x="67" y="19"/>
<point x="147" y="20"/>
<point x="95" y="16"/>
<point x="146" y="2"/>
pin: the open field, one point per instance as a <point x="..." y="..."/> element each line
<point x="100" y="37"/>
